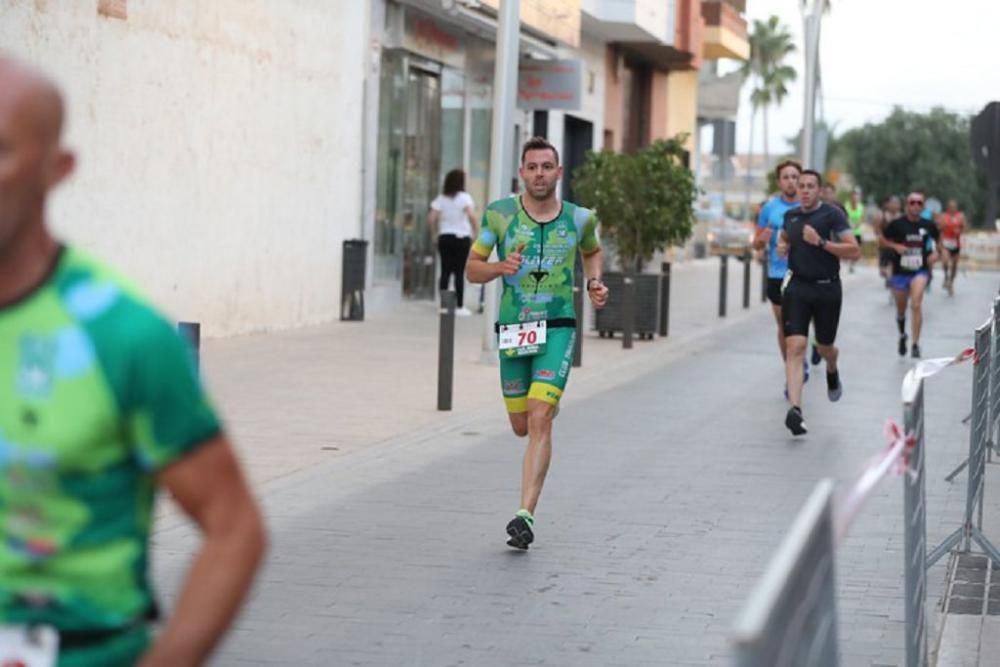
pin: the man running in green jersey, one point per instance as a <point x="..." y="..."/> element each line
<point x="536" y="236"/>
<point x="856" y="217"/>
<point x="99" y="405"/>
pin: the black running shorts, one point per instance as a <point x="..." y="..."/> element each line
<point x="818" y="303"/>
<point x="774" y="290"/>
<point x="886" y="257"/>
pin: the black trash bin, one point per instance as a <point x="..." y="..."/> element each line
<point x="352" y="281"/>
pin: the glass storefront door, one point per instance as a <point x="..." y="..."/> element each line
<point x="421" y="172"/>
<point x="409" y="171"/>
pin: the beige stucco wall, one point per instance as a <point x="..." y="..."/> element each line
<point x="613" y="102"/>
<point x="219" y="147"/>
<point x="559" y="19"/>
<point x="659" y="106"/>
<point x="682" y="105"/>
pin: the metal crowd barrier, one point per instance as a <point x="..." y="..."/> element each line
<point x="992" y="441"/>
<point x="790" y="618"/>
<point x="915" y="526"/>
<point x="971" y="529"/>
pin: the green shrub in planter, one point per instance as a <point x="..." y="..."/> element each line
<point x="644" y="200"/>
<point x="645" y="203"/>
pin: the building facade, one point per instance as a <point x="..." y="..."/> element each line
<point x="228" y="149"/>
<point x="218" y="143"/>
<point x="434" y="62"/>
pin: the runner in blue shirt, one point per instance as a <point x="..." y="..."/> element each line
<point x="769" y="224"/>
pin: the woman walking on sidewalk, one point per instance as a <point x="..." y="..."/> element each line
<point x="453" y="221"/>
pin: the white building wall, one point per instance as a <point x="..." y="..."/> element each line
<point x="219" y="147"/>
<point x="591" y="52"/>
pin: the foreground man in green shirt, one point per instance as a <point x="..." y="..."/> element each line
<point x="99" y="406"/>
<point x="536" y="236"/>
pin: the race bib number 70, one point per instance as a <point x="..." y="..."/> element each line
<point x="524" y="339"/>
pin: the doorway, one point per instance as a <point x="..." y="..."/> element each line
<point x="421" y="172"/>
<point x="409" y="166"/>
<point x="578" y="138"/>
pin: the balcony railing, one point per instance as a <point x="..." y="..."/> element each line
<point x="725" y="31"/>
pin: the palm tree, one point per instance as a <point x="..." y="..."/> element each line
<point x="770" y="44"/>
<point x="804" y="4"/>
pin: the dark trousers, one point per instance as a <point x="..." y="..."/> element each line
<point x="454" y="252"/>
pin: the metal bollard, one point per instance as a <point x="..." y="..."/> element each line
<point x="446" y="350"/>
<point x="763" y="279"/>
<point x="191" y="332"/>
<point x="664" y="298"/>
<point x="628" y="313"/>
<point x="578" y="307"/>
<point x="723" y="283"/>
<point x="746" y="280"/>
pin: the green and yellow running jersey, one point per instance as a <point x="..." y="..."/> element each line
<point x="97" y="394"/>
<point x="543" y="288"/>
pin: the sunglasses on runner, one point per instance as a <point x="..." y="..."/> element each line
<point x="917" y="202"/>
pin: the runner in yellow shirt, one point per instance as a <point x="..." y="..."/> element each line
<point x="856" y="217"/>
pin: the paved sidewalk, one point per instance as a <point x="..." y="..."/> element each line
<point x="298" y="398"/>
<point x="672" y="483"/>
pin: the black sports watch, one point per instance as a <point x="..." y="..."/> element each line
<point x="592" y="280"/>
<point x="822" y="243"/>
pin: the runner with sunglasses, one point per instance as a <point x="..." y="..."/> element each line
<point x="909" y="238"/>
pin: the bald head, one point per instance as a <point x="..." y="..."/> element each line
<point x="32" y="100"/>
<point x="32" y="158"/>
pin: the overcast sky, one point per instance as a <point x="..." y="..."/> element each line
<point x="876" y="53"/>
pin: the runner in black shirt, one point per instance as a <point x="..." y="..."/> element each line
<point x="908" y="238"/>
<point x="816" y="237"/>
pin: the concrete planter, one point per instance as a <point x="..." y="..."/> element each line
<point x="610" y="319"/>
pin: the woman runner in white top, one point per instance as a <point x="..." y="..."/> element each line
<point x="453" y="221"/>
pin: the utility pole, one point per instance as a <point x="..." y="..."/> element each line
<point x="501" y="143"/>
<point x="813" y="17"/>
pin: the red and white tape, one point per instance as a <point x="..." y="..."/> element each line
<point x="895" y="456"/>
<point x="928" y="368"/>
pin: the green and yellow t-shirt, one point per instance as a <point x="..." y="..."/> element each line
<point x="97" y="394"/>
<point x="856" y="216"/>
<point x="543" y="288"/>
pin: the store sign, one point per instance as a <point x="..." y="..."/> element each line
<point x="549" y="84"/>
<point x="433" y="39"/>
<point x="558" y="19"/>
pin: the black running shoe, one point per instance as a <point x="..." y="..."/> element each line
<point x="794" y="421"/>
<point x="834" y="389"/>
<point x="520" y="533"/>
<point x="915" y="351"/>
<point x="902" y="345"/>
<point x="815" y="356"/>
